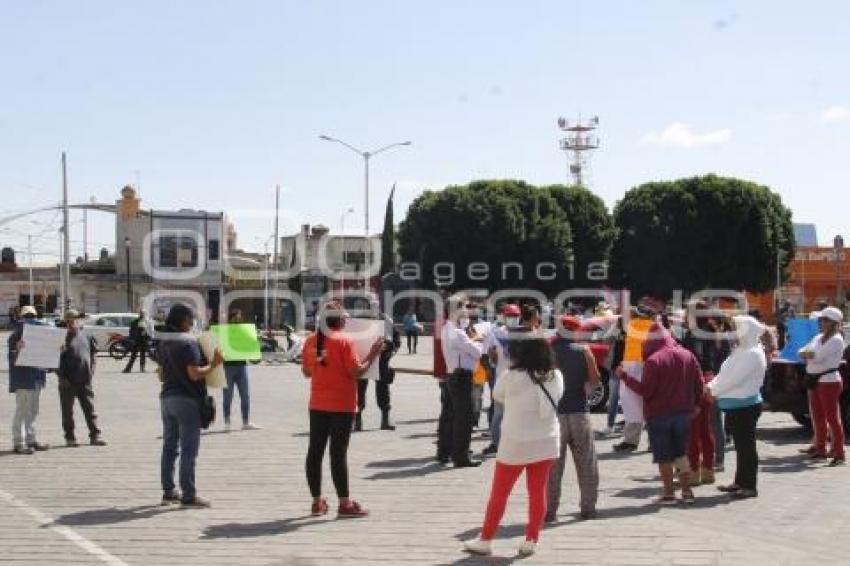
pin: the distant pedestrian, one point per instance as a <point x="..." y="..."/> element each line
<point x="824" y="356"/>
<point x="76" y="370"/>
<point x="333" y="367"/>
<point x="736" y="390"/>
<point x="530" y="437"/>
<point x="183" y="370"/>
<point x="236" y="373"/>
<point x="671" y="388"/>
<point x="139" y="342"/>
<point x="26" y="384"/>
<point x="580" y="373"/>
<point x="412" y="329"/>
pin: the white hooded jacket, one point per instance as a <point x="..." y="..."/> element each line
<point x="741" y="376"/>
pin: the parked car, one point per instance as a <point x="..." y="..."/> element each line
<point x="108" y="328"/>
<point x="785" y="391"/>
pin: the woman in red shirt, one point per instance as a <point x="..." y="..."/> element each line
<point x="332" y="365"/>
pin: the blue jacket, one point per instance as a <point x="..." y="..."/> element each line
<point x="22" y="377"/>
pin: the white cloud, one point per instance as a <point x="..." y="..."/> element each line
<point x="678" y="134"/>
<point x="835" y="113"/>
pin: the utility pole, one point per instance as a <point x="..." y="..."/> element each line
<point x="66" y="238"/>
<point x="276" y="243"/>
<point x="32" y="286"/>
<point x="578" y="144"/>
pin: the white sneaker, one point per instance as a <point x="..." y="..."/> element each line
<point x="226" y="426"/>
<point x="527" y="548"/>
<point x="251" y="426"/>
<point x="478" y="546"/>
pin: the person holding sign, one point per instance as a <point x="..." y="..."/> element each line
<point x="184" y="370"/>
<point x="26" y="384"/>
<point x="236" y="372"/>
<point x="333" y="367"/>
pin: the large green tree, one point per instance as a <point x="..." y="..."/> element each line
<point x="490" y="223"/>
<point x="700" y="233"/>
<point x="592" y="228"/>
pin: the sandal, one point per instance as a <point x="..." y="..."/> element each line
<point x="688" y="497"/>
<point x="665" y="500"/>
<point x="731" y="488"/>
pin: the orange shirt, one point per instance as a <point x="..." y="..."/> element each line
<point x="635" y="337"/>
<point x="333" y="387"/>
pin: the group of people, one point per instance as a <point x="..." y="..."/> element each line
<point x="687" y="388"/>
<point x="75" y="372"/>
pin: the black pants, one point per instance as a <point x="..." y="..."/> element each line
<point x="382" y="394"/>
<point x="444" y="428"/>
<point x="742" y="425"/>
<point x="460" y="393"/>
<point x="140" y="349"/>
<point x="325" y="425"/>
<point x="412" y="339"/>
<point x="85" y="395"/>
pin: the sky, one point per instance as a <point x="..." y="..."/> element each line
<point x="209" y="105"/>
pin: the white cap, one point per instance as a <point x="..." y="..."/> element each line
<point x="832" y="314"/>
<point x="29" y="310"/>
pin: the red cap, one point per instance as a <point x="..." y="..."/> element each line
<point x="571" y="323"/>
<point x="511" y="309"/>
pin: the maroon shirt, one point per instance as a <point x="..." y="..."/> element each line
<point x="672" y="378"/>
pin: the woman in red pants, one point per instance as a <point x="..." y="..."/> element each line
<point x="530" y="439"/>
<point x="823" y="356"/>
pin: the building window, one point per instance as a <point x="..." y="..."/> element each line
<point x="356" y="258"/>
<point x="178" y="251"/>
<point x="214" y="250"/>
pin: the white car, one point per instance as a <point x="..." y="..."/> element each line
<point x="105" y="327"/>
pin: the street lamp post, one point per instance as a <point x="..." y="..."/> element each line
<point x="350" y="210"/>
<point x="366" y="155"/>
<point x="127" y="242"/>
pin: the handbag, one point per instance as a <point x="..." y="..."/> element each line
<point x="208" y="412"/>
<point x="811" y="379"/>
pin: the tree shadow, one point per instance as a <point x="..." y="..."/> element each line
<point x="400" y="462"/>
<point x="112" y="515"/>
<point x="262" y="529"/>
<point x="433" y="468"/>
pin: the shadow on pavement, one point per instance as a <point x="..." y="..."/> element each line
<point x="785" y="464"/>
<point x="433" y="468"/>
<point x="470" y="559"/>
<point x="417" y="421"/>
<point x="264" y="529"/>
<point x="112" y="515"/>
<point x="400" y="463"/>
<point x="418" y="435"/>
<point x="781" y="436"/>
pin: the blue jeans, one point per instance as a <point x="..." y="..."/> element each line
<point x="181" y="436"/>
<point x="613" y="399"/>
<point x="496" y="425"/>
<point x="238" y="376"/>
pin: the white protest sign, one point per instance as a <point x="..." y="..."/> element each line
<point x="216" y="378"/>
<point x="42" y="346"/>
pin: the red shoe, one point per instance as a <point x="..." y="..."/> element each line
<point x="351" y="510"/>
<point x="319" y="508"/>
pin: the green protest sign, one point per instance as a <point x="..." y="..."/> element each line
<point x="238" y="342"/>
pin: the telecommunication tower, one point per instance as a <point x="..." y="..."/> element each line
<point x="578" y="144"/>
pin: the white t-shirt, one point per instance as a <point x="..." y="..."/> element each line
<point x="530" y="429"/>
<point x="827" y="356"/>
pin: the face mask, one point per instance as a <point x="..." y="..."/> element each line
<point x="512" y="321"/>
<point x="463" y="322"/>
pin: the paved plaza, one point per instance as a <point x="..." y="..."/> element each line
<point x="101" y="505"/>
